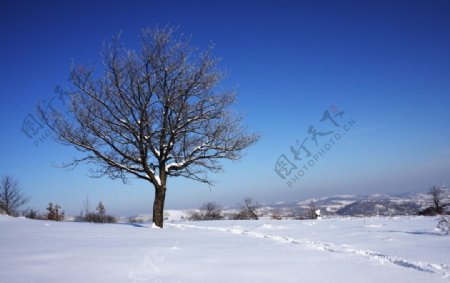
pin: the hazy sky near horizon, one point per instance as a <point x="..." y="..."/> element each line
<point x="386" y="64"/>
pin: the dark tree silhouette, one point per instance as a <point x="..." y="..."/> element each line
<point x="54" y="212"/>
<point x="438" y="197"/>
<point x="11" y="197"/>
<point x="151" y="114"/>
<point x="101" y="210"/>
<point x="312" y="211"/>
<point x="248" y="210"/>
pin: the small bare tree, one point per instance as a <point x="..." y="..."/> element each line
<point x="444" y="224"/>
<point x="249" y="210"/>
<point x="439" y="198"/>
<point x="11" y="197"/>
<point x="86" y="206"/>
<point x="208" y="211"/>
<point x="211" y="211"/>
<point x="151" y="114"/>
<point x="31" y="213"/>
<point x="98" y="217"/>
<point x="101" y="211"/>
<point x="312" y="211"/>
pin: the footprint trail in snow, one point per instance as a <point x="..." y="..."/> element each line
<point x="438" y="269"/>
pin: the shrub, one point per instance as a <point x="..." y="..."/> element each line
<point x="444" y="224"/>
<point x="100" y="216"/>
<point x="96" y="218"/>
<point x="276" y="214"/>
<point x="208" y="211"/>
<point x="439" y="201"/>
<point x="54" y="212"/>
<point x="135" y="219"/>
<point x="249" y="210"/>
<point x="32" y="213"/>
<point x="11" y="197"/>
<point x="439" y="195"/>
<point x="312" y="212"/>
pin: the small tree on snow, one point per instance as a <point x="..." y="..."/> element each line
<point x="86" y="206"/>
<point x="31" y="213"/>
<point x="444" y="224"/>
<point x="439" y="196"/>
<point x="312" y="211"/>
<point x="99" y="216"/>
<point x="151" y="114"/>
<point x="54" y="212"/>
<point x="208" y="211"/>
<point x="249" y="210"/>
<point x="11" y="197"/>
<point x="101" y="211"/>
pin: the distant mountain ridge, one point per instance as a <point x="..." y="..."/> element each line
<point x="357" y="205"/>
<point x="337" y="205"/>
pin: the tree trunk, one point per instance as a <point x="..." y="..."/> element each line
<point x="158" y="206"/>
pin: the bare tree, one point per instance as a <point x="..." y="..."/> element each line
<point x="438" y="197"/>
<point x="444" y="224"/>
<point x="101" y="211"/>
<point x="152" y="114"/>
<point x="211" y="211"/>
<point x="31" y="213"/>
<point x="11" y="197"/>
<point x="86" y="206"/>
<point x="248" y="210"/>
<point x="312" y="211"/>
<point x="208" y="211"/>
<point x="97" y="217"/>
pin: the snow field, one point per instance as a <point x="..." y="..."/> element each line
<point x="404" y="249"/>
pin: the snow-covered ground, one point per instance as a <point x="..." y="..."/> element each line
<point x="404" y="249"/>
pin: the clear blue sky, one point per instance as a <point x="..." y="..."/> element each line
<point x="385" y="63"/>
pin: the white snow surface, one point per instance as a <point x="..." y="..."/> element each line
<point x="403" y="249"/>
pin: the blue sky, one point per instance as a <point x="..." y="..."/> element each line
<point x="385" y="63"/>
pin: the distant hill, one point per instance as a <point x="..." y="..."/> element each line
<point x="356" y="205"/>
<point x="344" y="205"/>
